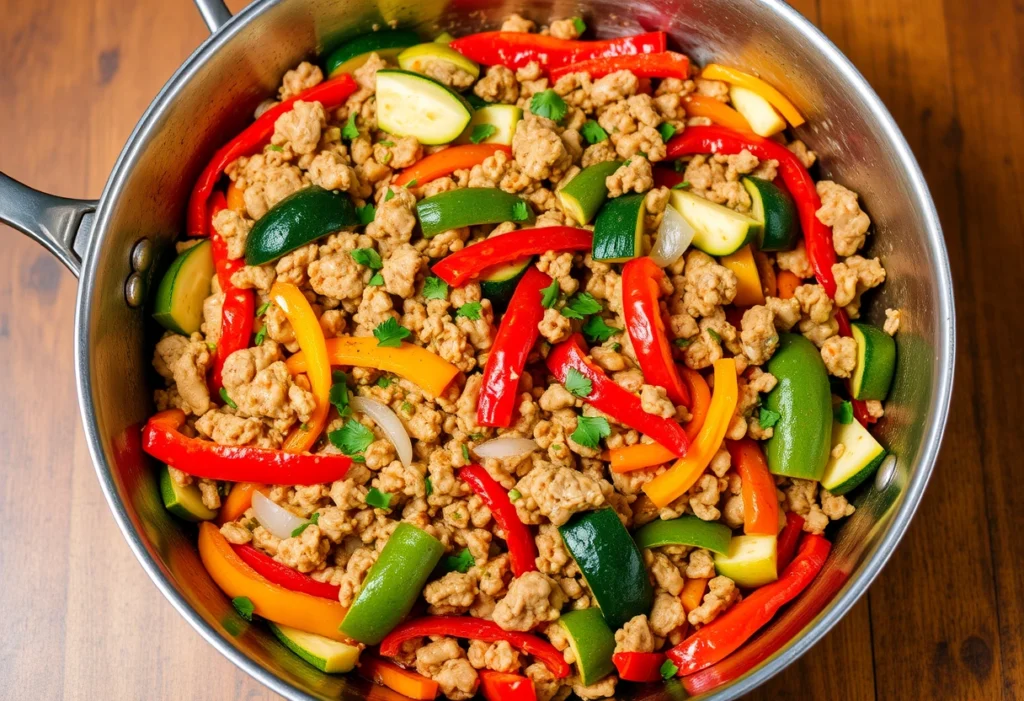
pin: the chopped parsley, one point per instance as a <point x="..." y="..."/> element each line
<point x="352" y="438"/>
<point x="261" y="335"/>
<point x="593" y="132"/>
<point x="714" y="336"/>
<point x="520" y="211"/>
<point x="350" y="131"/>
<point x="549" y="295"/>
<point x="384" y="382"/>
<point x="843" y="413"/>
<point x="580" y="306"/>
<point x="263" y="309"/>
<point x="366" y="213"/>
<point x="428" y="486"/>
<point x="590" y="430"/>
<point x="210" y="346"/>
<point x="406" y="408"/>
<point x="386" y="158"/>
<point x="598" y="331"/>
<point x="226" y="399"/>
<point x="577" y="383"/>
<point x="368" y="257"/>
<point x="668" y="670"/>
<point x="768" y="418"/>
<point x="243" y="604"/>
<point x="515" y="495"/>
<point x="579" y="24"/>
<point x="389" y="195"/>
<point x="311" y="522"/>
<point x="548" y="104"/>
<point x="482" y="132"/>
<point x="387" y="143"/>
<point x="470" y="310"/>
<point x="459" y="563"/>
<point x="275" y="147"/>
<point x="378" y="499"/>
<point x="435" y="288"/>
<point x="339" y="393"/>
<point x="389" y="333"/>
<point x="376" y="281"/>
<point x="682" y="342"/>
<point x="666" y="130"/>
<point x="465" y="452"/>
<point x="681" y="186"/>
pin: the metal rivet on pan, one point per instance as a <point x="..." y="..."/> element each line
<point x="142" y="255"/>
<point x="133" y="290"/>
<point x="886" y="473"/>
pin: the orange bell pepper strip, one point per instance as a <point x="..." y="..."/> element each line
<point x="392" y="676"/>
<point x="786" y="284"/>
<point x="235" y="198"/>
<point x="672" y="484"/>
<point x="239" y="500"/>
<point x="748" y="281"/>
<point x="693" y="592"/>
<point x="311" y="340"/>
<point x="446" y="162"/>
<point x="760" y="505"/>
<point x="701" y="396"/>
<point x="312" y="614"/>
<point x="428" y="370"/>
<point x="715" y="110"/>
<point x="714" y="71"/>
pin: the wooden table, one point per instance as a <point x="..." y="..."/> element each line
<point x="943" y="621"/>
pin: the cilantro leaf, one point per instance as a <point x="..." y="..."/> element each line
<point x="368" y="257"/>
<point x="668" y="670"/>
<point x="577" y="383"/>
<point x="275" y="147"/>
<point x="549" y="295"/>
<point x="226" y="399"/>
<point x="389" y="333"/>
<point x="384" y="382"/>
<point x="459" y="563"/>
<point x="366" y="213"/>
<point x="378" y="499"/>
<point x="520" y="211"/>
<point x="590" y="430"/>
<point x="470" y="310"/>
<point x="666" y="130"/>
<point x="314" y="520"/>
<point x="714" y="336"/>
<point x="376" y="281"/>
<point x="263" y="309"/>
<point x="350" y="131"/>
<point x="339" y="393"/>
<point x="351" y="438"/>
<point x="482" y="132"/>
<point x="435" y="288"/>
<point x="580" y="306"/>
<point x="593" y="132"/>
<point x="597" y="330"/>
<point x="548" y="104"/>
<point x="243" y="604"/>
<point x="682" y="185"/>
<point x="843" y="413"/>
<point x="580" y="25"/>
<point x="389" y="195"/>
<point x="768" y="418"/>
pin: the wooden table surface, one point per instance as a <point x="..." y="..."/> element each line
<point x="944" y="620"/>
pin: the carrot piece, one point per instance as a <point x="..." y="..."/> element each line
<point x="693" y="592"/>
<point x="235" y="198"/>
<point x="239" y="499"/>
<point x="403" y="681"/>
<point x="446" y="162"/>
<point x="787" y="282"/>
<point x="701" y="397"/>
<point x="760" y="505"/>
<point x="717" y="111"/>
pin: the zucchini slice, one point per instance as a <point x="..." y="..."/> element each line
<point x="774" y="208"/>
<point x="499" y="283"/>
<point x="862" y="455"/>
<point x="619" y="229"/>
<point x="470" y="206"/>
<point x="719" y="230"/>
<point x="611" y="563"/>
<point x="298" y="219"/>
<point x="504" y="119"/>
<point x="751" y="560"/>
<point x="876" y="362"/>
<point x="184" y="502"/>
<point x="758" y="112"/>
<point x="685" y="530"/>
<point x="415" y="58"/>
<point x="592" y="643"/>
<point x="179" y="298"/>
<point x="387" y="44"/>
<point x="583" y="195"/>
<point x="410" y="104"/>
<point x="323" y="653"/>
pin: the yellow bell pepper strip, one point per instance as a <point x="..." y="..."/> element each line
<point x="748" y="282"/>
<point x="311" y="340"/>
<point x="239" y="500"/>
<point x="428" y="370"/>
<point x="312" y="614"/>
<point x="672" y="484"/>
<point x="715" y="110"/>
<point x="693" y="592"/>
<point x="714" y="71"/>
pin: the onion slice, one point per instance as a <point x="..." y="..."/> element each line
<point x="501" y="448"/>
<point x="674" y="237"/>
<point x="276" y="519"/>
<point x="389" y="423"/>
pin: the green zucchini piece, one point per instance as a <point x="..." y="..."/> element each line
<point x="471" y="206"/>
<point x="300" y="218"/>
<point x="184" y="502"/>
<point x="619" y="229"/>
<point x="393" y="584"/>
<point x="802" y="438"/>
<point x="583" y="196"/>
<point x="592" y="643"/>
<point x="179" y="298"/>
<point x="415" y="58"/>
<point x="504" y="119"/>
<point x="410" y="104"/>
<point x="323" y="653"/>
<point x="751" y="560"/>
<point x="499" y="283"/>
<point x="876" y="362"/>
<point x="861" y="456"/>
<point x="719" y="230"/>
<point x="387" y="44"/>
<point x="774" y="208"/>
<point x="685" y="530"/>
<point x="611" y="563"/>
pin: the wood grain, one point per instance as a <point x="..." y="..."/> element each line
<point x="943" y="621"/>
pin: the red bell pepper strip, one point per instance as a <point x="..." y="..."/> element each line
<point x="789" y="537"/>
<point x="722" y="636"/>
<point x="244" y="463"/>
<point x="760" y="506"/>
<point x="666" y="64"/>
<point x="639" y="666"/>
<point x="331" y="93"/>
<point x="446" y="162"/>
<point x="499" y="686"/>
<point x="607" y="396"/>
<point x="285" y="576"/>
<point x="467" y="264"/>
<point x="641" y="288"/>
<point x="475" y="629"/>
<point x="239" y="308"/>
<point x="522" y="551"/>
<point x="516" y="336"/>
<point x="516" y="49"/>
<point x="666" y="177"/>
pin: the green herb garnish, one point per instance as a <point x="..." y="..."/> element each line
<point x="549" y="295"/>
<point x="767" y="418"/>
<point x="389" y="333"/>
<point x="597" y="330"/>
<point x="368" y="257"/>
<point x="350" y="131"/>
<point x="666" y="130"/>
<point x="580" y="306"/>
<point x="243" y="604"/>
<point x="352" y="438"/>
<point x="226" y="399"/>
<point x="435" y="288"/>
<point x="593" y="132"/>
<point x="590" y="430"/>
<point x="548" y="104"/>
<point x="378" y="499"/>
<point x="482" y="132"/>
<point x="577" y="383"/>
<point x="470" y="310"/>
<point x="366" y="213"/>
<point x="314" y="520"/>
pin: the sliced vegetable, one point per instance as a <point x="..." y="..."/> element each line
<point x="674" y="236"/>
<point x="583" y="196"/>
<point x="717" y="111"/>
<point x="592" y="643"/>
<point x="760" y="505"/>
<point x="802" y="438"/>
<point x="719" y="230"/>
<point x="750" y="560"/>
<point x="239" y="499"/>
<point x="639" y="456"/>
<point x="639" y="666"/>
<point x="700" y="396"/>
<point x="858" y="459"/>
<point x="499" y="686"/>
<point x="178" y="305"/>
<point x="238" y="307"/>
<point x="470" y="206"/>
<point x="409" y="684"/>
<point x="417" y="58"/>
<point x="470" y="262"/>
<point x="300" y="218"/>
<point x="748" y="282"/>
<point x="714" y="71"/>
<point x="522" y="550"/>
<point x="505" y="447"/>
<point x="386" y="43"/>
<point x="774" y="208"/>
<point x="665" y="64"/>
<point x="685" y="530"/>
<point x="502" y="120"/>
<point x="184" y="501"/>
<point x="611" y="563"/>
<point x="619" y="229"/>
<point x="876" y="362"/>
<point x="275" y="518"/>
<point x="323" y="653"/>
<point x="411" y="362"/>
<point x="446" y="162"/>
<point x="789" y="538"/>
<point x="762" y="117"/>
<point x="234" y="197"/>
<point x="499" y="284"/>
<point x="693" y="592"/>
<point x="786" y="282"/>
<point x="284" y="575"/>
<point x="409" y="104"/>
<point x="389" y="423"/>
<point x="516" y="49"/>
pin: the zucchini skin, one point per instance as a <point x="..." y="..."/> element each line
<point x="876" y="362"/>
<point x="394" y="41"/>
<point x="585" y="193"/>
<point x="779" y="216"/>
<point x="298" y="219"/>
<point x="618" y="229"/>
<point x="468" y="207"/>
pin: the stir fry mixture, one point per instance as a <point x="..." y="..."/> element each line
<point x="518" y="364"/>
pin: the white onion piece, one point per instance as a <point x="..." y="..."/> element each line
<point x="674" y="237"/>
<point x="389" y="423"/>
<point x="501" y="448"/>
<point x="276" y="519"/>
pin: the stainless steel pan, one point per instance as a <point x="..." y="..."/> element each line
<point x="117" y="244"/>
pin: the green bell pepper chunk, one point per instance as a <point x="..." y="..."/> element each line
<point x="685" y="530"/>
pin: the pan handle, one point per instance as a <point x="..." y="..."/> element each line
<point x="61" y="224"/>
<point x="215" y="13"/>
